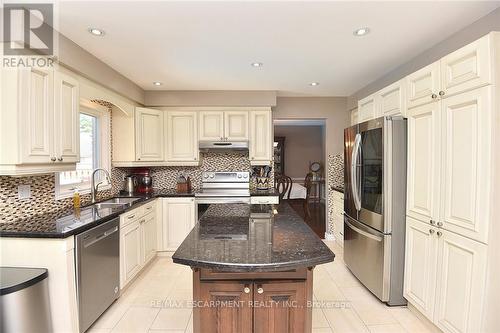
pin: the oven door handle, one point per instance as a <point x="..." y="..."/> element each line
<point x="355" y="187"/>
<point x="222" y="200"/>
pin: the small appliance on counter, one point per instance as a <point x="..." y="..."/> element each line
<point x="144" y="180"/>
<point x="129" y="184"/>
<point x="183" y="184"/>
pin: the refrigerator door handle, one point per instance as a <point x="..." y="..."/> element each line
<point x="364" y="233"/>
<point x="354" y="172"/>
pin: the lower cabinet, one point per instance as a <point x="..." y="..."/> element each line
<point x="445" y="275"/>
<point x="338" y="217"/>
<point x="179" y="218"/>
<point x="252" y="302"/>
<point x="137" y="241"/>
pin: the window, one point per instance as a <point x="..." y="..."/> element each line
<point x="94" y="153"/>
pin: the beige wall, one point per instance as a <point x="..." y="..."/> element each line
<point x="210" y="98"/>
<point x="303" y="145"/>
<point x="481" y="27"/>
<point x="332" y="109"/>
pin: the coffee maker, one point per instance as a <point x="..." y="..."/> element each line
<point x="144" y="180"/>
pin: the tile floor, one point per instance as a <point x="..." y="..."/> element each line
<point x="140" y="308"/>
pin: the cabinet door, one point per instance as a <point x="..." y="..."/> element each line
<point x="178" y="220"/>
<point x="423" y="85"/>
<point x="67" y="118"/>
<point x="211" y="125"/>
<point x="467" y="68"/>
<point x="182" y="136"/>
<point x="37" y="116"/>
<point x="149" y="237"/>
<point x="420" y="266"/>
<point x="392" y="100"/>
<point x="367" y="108"/>
<point x="467" y="139"/>
<point x="261" y="139"/>
<point x="354" y="116"/>
<point x="236" y="125"/>
<point x="148" y="134"/>
<point x="224" y="318"/>
<point x="424" y="159"/>
<point x="281" y="317"/>
<point x="460" y="283"/>
<point x="130" y="252"/>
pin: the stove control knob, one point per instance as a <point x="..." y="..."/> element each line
<point x="205" y="176"/>
<point x="245" y="175"/>
<point x="239" y="176"/>
<point x="211" y="175"/>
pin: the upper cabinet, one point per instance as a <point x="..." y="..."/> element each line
<point x="422" y="87"/>
<point x="223" y="126"/>
<point x="236" y="125"/>
<point x="392" y="100"/>
<point x="40" y="121"/>
<point x="148" y="134"/>
<point x="367" y="108"/>
<point x="181" y="136"/>
<point x="354" y="116"/>
<point x="261" y="137"/>
<point x="211" y="125"/>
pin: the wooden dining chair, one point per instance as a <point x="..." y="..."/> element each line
<point x="307" y="185"/>
<point x="283" y="185"/>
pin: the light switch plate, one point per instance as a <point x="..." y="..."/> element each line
<point x="24" y="192"/>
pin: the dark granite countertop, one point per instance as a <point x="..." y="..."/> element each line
<point x="65" y="223"/>
<point x="245" y="238"/>
<point x="264" y="193"/>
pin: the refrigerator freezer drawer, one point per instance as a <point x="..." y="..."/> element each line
<point x="367" y="255"/>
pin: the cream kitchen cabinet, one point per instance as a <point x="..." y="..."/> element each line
<point x="261" y="137"/>
<point x="179" y="218"/>
<point x="211" y="125"/>
<point x="424" y="161"/>
<point x="149" y="135"/>
<point x="338" y="217"/>
<point x="40" y="121"/>
<point x="354" y="117"/>
<point x="368" y="108"/>
<point x="236" y="125"/>
<point x="182" y="137"/>
<point x="420" y="266"/>
<point x="422" y="86"/>
<point x="138" y="240"/>
<point x="445" y="275"/>
<point x="223" y="126"/>
<point x="392" y="99"/>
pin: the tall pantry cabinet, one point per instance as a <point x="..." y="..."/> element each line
<point x="451" y="122"/>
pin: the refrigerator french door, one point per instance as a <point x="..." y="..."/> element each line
<point x="374" y="205"/>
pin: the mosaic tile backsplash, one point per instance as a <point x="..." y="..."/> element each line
<point x="336" y="179"/>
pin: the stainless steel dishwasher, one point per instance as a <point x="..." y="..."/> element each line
<point x="97" y="271"/>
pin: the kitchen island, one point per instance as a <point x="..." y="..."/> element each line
<point x="252" y="269"/>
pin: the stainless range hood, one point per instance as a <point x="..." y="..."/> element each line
<point x="221" y="146"/>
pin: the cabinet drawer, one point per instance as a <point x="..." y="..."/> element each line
<point x="294" y="274"/>
<point x="270" y="200"/>
<point x="131" y="216"/>
<point x="149" y="207"/>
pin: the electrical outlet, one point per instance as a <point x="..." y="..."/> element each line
<point x="24" y="192"/>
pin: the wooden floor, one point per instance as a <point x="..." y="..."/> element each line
<point x="317" y="218"/>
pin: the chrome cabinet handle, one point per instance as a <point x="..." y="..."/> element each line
<point x="434" y="96"/>
<point x="440" y="224"/>
<point x="432" y="222"/>
<point x="431" y="231"/>
<point x="439" y="233"/>
<point x="441" y="93"/>
<point x="60" y="159"/>
<point x="260" y="290"/>
<point x="246" y="290"/>
<point x="53" y="159"/>
<point x="142" y="221"/>
<point x="131" y="217"/>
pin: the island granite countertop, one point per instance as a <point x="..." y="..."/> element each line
<point x="252" y="238"/>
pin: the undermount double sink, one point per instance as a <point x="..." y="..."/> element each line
<point x="115" y="203"/>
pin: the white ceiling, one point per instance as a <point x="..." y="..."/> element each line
<point x="210" y="45"/>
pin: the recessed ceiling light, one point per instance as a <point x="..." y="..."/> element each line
<point x="156" y="83"/>
<point x="257" y="64"/>
<point x="314" y="84"/>
<point x="96" y="32"/>
<point x="361" y="32"/>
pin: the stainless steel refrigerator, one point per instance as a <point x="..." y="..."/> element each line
<point x="374" y="205"/>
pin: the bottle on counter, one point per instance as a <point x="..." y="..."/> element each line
<point x="76" y="199"/>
